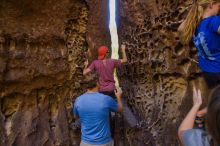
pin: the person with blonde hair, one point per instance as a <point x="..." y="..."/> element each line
<point x="202" y="26"/>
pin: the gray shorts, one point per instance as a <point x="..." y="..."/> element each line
<point x="111" y="143"/>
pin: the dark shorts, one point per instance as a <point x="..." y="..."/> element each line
<point x="212" y="79"/>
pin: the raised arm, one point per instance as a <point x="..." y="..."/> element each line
<point x="118" y="94"/>
<point x="188" y="122"/>
<point x="86" y="70"/>
<point x="124" y="56"/>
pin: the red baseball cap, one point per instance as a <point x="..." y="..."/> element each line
<point x="102" y="52"/>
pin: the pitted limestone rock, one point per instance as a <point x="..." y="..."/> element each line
<point x="159" y="71"/>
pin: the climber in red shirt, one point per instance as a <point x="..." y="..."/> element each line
<point x="105" y="69"/>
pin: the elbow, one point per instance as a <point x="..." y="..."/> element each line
<point x="179" y="133"/>
<point x="124" y="60"/>
<point x="181" y="130"/>
<point x="85" y="72"/>
<point x="120" y="109"/>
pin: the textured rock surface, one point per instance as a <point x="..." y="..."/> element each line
<point x="43" y="45"/>
<point x="158" y="76"/>
<point x="39" y="70"/>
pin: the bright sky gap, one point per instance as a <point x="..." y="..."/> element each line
<point x="114" y="35"/>
<point x="113" y="29"/>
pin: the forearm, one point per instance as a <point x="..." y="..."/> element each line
<point x="120" y="105"/>
<point x="188" y="122"/>
<point x="86" y="70"/>
<point x="124" y="56"/>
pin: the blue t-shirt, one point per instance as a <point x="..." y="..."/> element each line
<point x="93" y="110"/>
<point x="195" y="137"/>
<point x="207" y="42"/>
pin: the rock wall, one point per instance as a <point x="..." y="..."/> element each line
<point x="157" y="78"/>
<point x="43" y="45"/>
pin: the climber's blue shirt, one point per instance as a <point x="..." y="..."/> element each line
<point x="93" y="109"/>
<point x="207" y="42"/>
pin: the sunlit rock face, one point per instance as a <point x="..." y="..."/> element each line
<point x="43" y="45"/>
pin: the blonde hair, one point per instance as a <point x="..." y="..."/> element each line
<point x="193" y="19"/>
